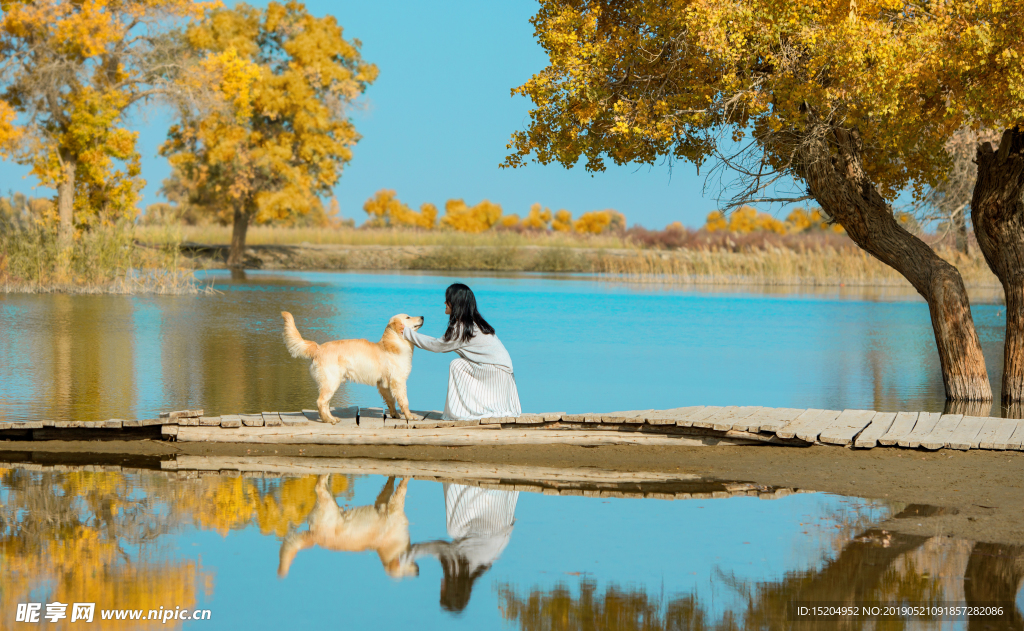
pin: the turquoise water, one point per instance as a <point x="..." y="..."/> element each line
<point x="578" y="345"/>
<point x="142" y="541"/>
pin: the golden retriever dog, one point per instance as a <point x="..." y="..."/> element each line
<point x="385" y="364"/>
<point x="383" y="528"/>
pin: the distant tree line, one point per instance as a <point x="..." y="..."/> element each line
<point x="384" y="209"/>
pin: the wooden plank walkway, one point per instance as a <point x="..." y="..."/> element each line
<point x="581" y="481"/>
<point x="685" y="426"/>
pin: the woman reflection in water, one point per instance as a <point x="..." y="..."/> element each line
<point x="480" y="525"/>
<point x="480" y="381"/>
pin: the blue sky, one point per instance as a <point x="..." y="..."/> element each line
<point x="436" y="122"/>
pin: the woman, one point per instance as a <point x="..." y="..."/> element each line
<point x="480" y="524"/>
<point x="480" y="381"/>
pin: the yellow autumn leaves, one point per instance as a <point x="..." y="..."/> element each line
<point x="71" y="71"/>
<point x="386" y="210"/>
<point x="639" y="81"/>
<point x="747" y="219"/>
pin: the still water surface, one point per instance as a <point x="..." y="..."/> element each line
<point x="260" y="552"/>
<point x="264" y="553"/>
<point x="578" y="345"/>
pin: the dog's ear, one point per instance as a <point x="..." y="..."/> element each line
<point x="399" y="326"/>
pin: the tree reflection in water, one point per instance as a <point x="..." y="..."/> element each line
<point x="877" y="566"/>
<point x="85" y="536"/>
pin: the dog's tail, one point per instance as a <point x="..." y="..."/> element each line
<point x="297" y="346"/>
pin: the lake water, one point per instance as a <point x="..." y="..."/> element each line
<point x="578" y="345"/>
<point x="262" y="553"/>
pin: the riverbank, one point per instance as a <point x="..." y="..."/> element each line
<point x="981" y="493"/>
<point x="773" y="265"/>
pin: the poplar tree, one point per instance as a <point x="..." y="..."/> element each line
<point x="277" y="138"/>
<point x="853" y="101"/>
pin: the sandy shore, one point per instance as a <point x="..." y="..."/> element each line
<point x="984" y="489"/>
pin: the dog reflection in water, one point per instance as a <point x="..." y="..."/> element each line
<point x="382" y="528"/>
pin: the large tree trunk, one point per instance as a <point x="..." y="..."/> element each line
<point x="831" y="165"/>
<point x="236" y="254"/>
<point x="997" y="210"/>
<point x="66" y="202"/>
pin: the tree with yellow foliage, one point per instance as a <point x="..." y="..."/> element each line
<point x="278" y="136"/>
<point x="854" y="102"/>
<point x="385" y="210"/>
<point x="599" y="222"/>
<point x="562" y="221"/>
<point x="70" y="71"/>
<point x="458" y="216"/>
<point x="537" y="219"/>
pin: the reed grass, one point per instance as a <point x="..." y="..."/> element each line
<point x="279" y="235"/>
<point x="674" y="255"/>
<point x="105" y="259"/>
<point x="777" y="266"/>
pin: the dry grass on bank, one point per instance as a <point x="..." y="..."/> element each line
<point x="779" y="266"/>
<point x="674" y="255"/>
<point x="103" y="260"/>
<point x="277" y="235"/>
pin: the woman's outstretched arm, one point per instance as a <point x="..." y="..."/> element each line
<point x="432" y="344"/>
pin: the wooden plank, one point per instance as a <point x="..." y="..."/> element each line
<point x="210" y="420"/>
<point x="926" y="422"/>
<point x="249" y="420"/>
<point x="363" y="413"/>
<point x="790" y="429"/>
<point x="172" y="430"/>
<point x="587" y="417"/>
<point x="901" y="427"/>
<point x="229" y="422"/>
<point x="845" y="428"/>
<point x="880" y="424"/>
<point x="723" y="419"/>
<point x="633" y="417"/>
<point x="366" y="423"/>
<point x="966" y="433"/>
<point x="705" y="421"/>
<point x="181" y="414"/>
<point x="1017" y="438"/>
<point x="288" y="418"/>
<point x="772" y="419"/>
<point x="699" y="415"/>
<point x="429" y="415"/>
<point x="740" y="417"/>
<point x="996" y="433"/>
<point x="522" y="419"/>
<point x="21" y="425"/>
<point x="191" y="420"/>
<point x="333" y="435"/>
<point x="942" y="432"/>
<point x="672" y="416"/>
<point x="812" y="429"/>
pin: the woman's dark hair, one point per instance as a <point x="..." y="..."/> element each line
<point x="464" y="314"/>
<point x="457" y="584"/>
